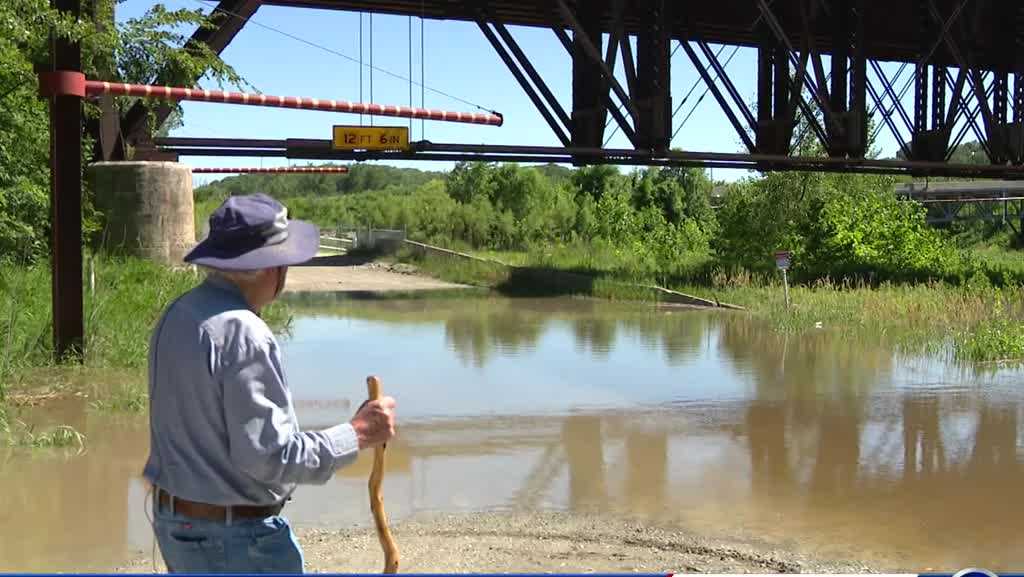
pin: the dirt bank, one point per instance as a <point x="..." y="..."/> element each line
<point x="346" y="274"/>
<point x="544" y="543"/>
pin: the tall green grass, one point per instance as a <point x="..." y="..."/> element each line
<point x="1000" y="340"/>
<point x="120" y="313"/>
<point x="17" y="433"/>
<point x="977" y="321"/>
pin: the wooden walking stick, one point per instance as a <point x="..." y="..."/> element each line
<point x="387" y="542"/>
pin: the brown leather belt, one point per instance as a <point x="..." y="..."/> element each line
<point x="208" y="512"/>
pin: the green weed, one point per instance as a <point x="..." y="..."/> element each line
<point x="121" y="311"/>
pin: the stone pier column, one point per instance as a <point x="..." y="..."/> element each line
<point x="148" y="208"/>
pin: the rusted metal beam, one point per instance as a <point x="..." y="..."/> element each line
<point x="841" y="36"/>
<point x="727" y="82"/>
<point x="817" y="94"/>
<point x="581" y="35"/>
<point x="531" y="71"/>
<point x="229" y="17"/>
<point x="887" y="89"/>
<point x="581" y="101"/>
<point x="653" y="94"/>
<point x="974" y="78"/>
<point x="66" y="199"/>
<point x="320" y="149"/>
<point x="512" y="66"/>
<point x="887" y="119"/>
<point x="717" y="93"/>
<point x="859" y="74"/>
<point x="957" y="93"/>
<point x="718" y="22"/>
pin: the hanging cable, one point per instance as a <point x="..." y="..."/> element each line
<point x="410" y="73"/>
<point x="371" y="63"/>
<point x="705" y="93"/>
<point x="423" y="76"/>
<point x="343" y="55"/>
<point x="361" y="64"/>
<point x="694" y="87"/>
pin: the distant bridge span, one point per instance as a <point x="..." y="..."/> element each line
<point x="994" y="201"/>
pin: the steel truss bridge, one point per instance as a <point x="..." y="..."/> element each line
<point x="819" y="65"/>
<point x="819" y="62"/>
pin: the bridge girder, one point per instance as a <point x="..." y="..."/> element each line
<point x="982" y="40"/>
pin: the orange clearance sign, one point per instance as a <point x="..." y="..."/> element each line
<point x="371" y="138"/>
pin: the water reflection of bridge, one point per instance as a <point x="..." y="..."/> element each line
<point x="884" y="450"/>
<point x="952" y="467"/>
<point x="920" y="435"/>
<point x="915" y="463"/>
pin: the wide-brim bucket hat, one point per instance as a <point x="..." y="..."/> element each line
<point x="252" y="232"/>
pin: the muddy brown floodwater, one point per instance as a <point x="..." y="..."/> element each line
<point x="599" y="422"/>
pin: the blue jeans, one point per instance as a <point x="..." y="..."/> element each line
<point x="189" y="545"/>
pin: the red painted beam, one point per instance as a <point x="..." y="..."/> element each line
<point x="274" y="170"/>
<point x="96" y="88"/>
<point x="66" y="193"/>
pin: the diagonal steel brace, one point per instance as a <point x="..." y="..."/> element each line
<point x="595" y="55"/>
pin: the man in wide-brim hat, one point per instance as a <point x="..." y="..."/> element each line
<point x="226" y="450"/>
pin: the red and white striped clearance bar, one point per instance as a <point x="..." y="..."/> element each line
<point x="962" y="573"/>
<point x="65" y="82"/>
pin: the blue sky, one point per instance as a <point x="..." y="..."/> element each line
<point x="458" y="60"/>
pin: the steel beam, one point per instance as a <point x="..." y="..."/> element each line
<point x="722" y="102"/>
<point x="229" y="16"/>
<point x="727" y="82"/>
<point x="974" y="78"/>
<point x="428" y="151"/>
<point x="817" y="92"/>
<point x="775" y="117"/>
<point x="66" y="198"/>
<point x="582" y="76"/>
<point x="628" y="62"/>
<point x="857" y="123"/>
<point x="584" y="37"/>
<point x="787" y="93"/>
<point x="846" y="113"/>
<point x="843" y="38"/>
<point x="887" y="89"/>
<point x="653" y="95"/>
<point x="938" y="105"/>
<point x="523" y="61"/>
<point x="1017" y="66"/>
<point x="887" y="119"/>
<point x="513" y="67"/>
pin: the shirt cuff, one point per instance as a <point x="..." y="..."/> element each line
<point x="343" y="441"/>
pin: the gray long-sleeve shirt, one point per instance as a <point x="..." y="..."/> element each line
<point x="223" y="428"/>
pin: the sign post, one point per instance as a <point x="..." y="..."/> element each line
<point x="782" y="260"/>
<point x="370" y="138"/>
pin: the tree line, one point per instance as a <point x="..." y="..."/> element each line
<point x="649" y="222"/>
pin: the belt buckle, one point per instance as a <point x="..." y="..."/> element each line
<point x="157" y="505"/>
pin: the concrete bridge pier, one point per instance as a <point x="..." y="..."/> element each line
<point x="148" y="209"/>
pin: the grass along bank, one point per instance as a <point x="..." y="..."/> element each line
<point x="122" y="305"/>
<point x="976" y="321"/>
